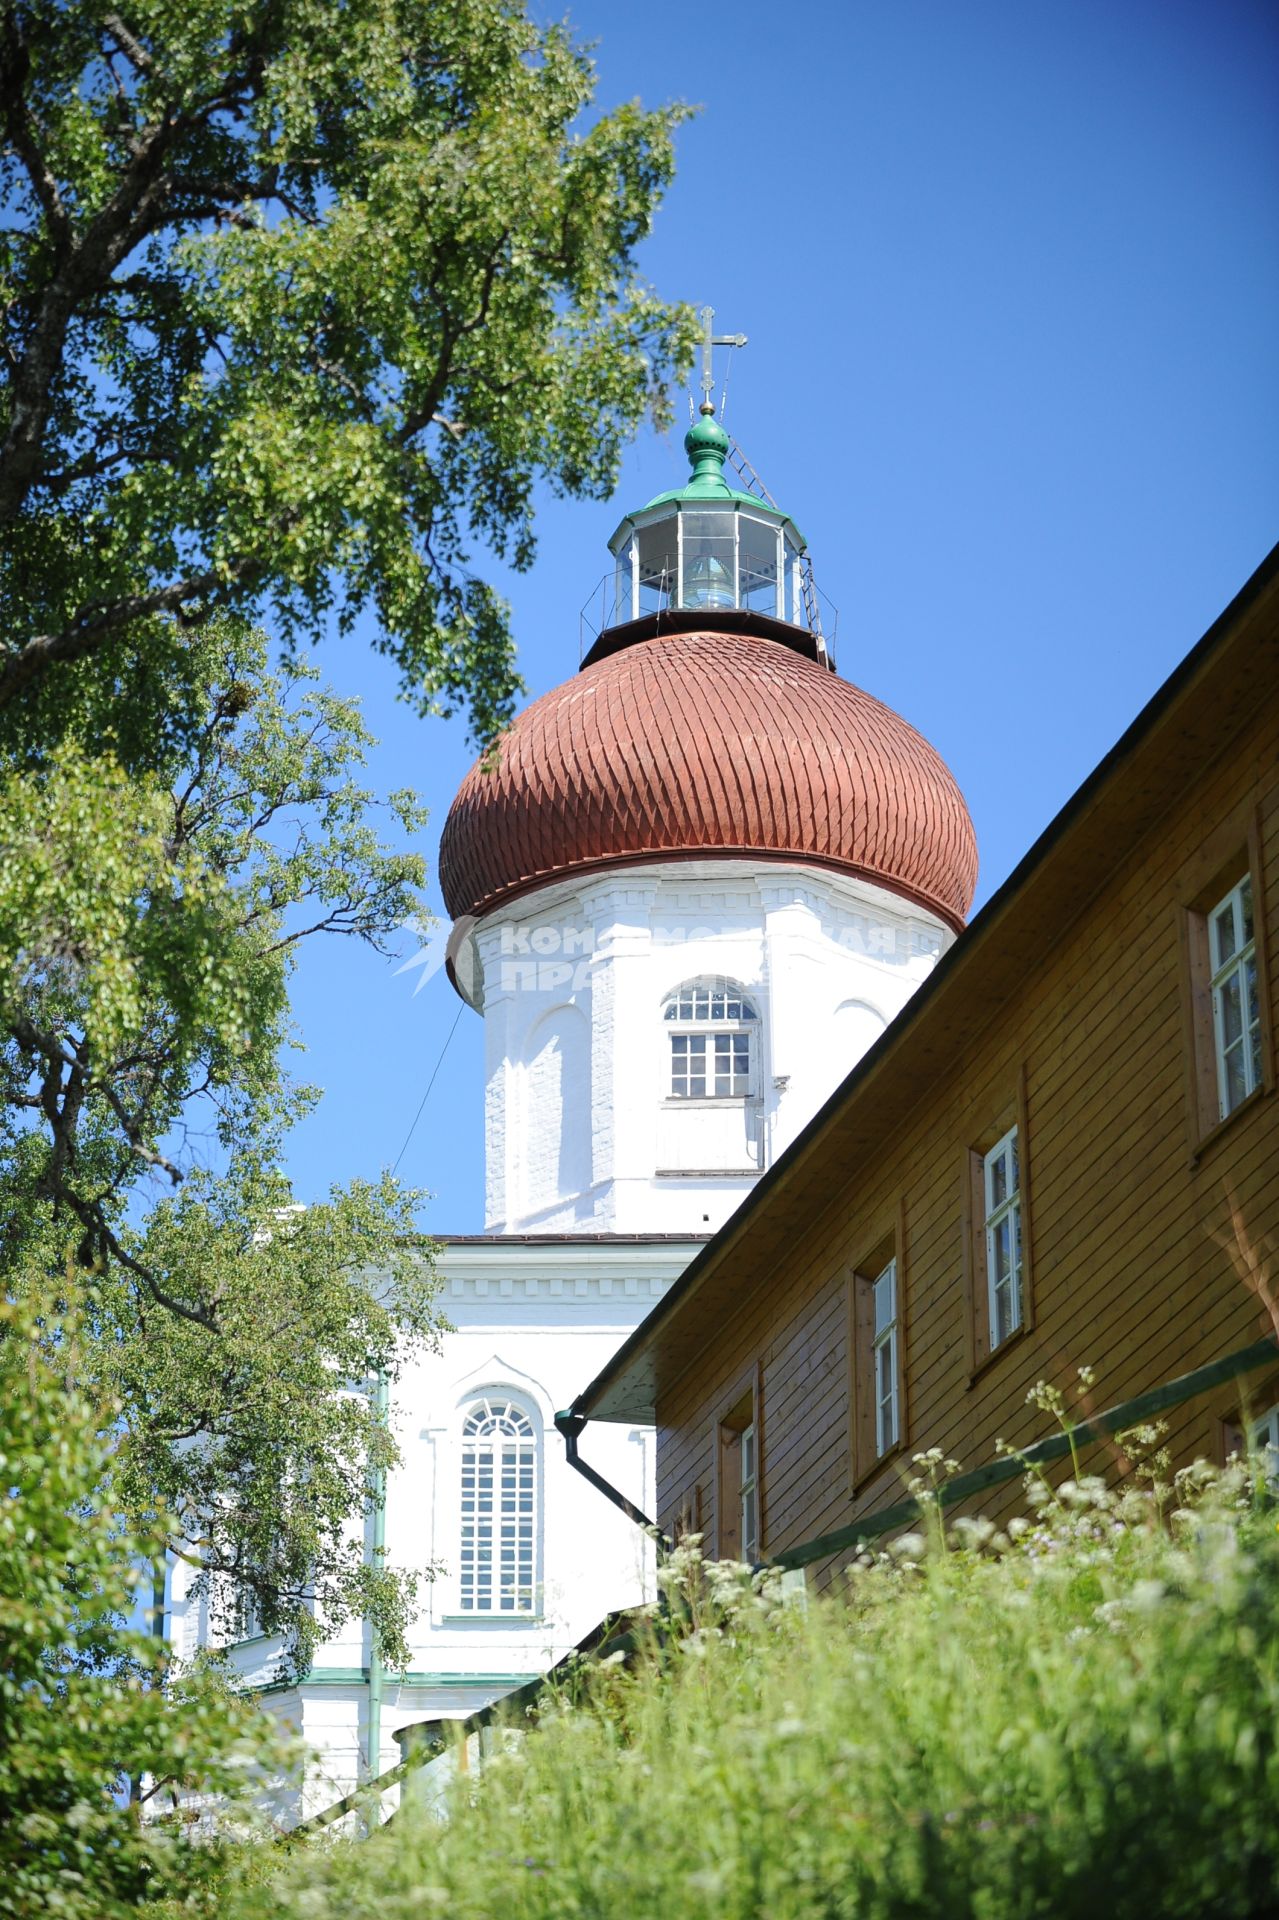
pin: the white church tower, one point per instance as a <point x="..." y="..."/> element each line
<point x="694" y="885"/>
<point x="689" y="889"/>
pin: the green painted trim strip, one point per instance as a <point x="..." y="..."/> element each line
<point x="359" y="1677"/>
<point x="377" y="1674"/>
<point x="1129" y="1413"/>
<point x="465" y="1679"/>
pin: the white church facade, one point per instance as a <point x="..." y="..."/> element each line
<point x="655" y="1037"/>
<point x="689" y="890"/>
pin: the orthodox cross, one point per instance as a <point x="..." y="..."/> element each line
<point x="710" y="340"/>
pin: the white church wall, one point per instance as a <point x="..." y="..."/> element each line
<point x="554" y="1090"/>
<point x="532" y="1320"/>
<point x="581" y="1140"/>
<point x="531" y="1323"/>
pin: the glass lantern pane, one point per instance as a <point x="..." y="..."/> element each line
<point x="657" y="565"/>
<point x="709" y="580"/>
<point x="758" y="545"/>
<point x="790" y="581"/>
<point x="623" y="581"/>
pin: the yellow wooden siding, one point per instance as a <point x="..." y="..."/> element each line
<point x="1127" y="1277"/>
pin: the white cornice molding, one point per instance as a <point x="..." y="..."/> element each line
<point x="631" y="1286"/>
<point x="561" y="1269"/>
<point x="638" y="884"/>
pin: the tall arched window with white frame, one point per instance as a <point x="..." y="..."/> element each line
<point x="497" y="1562"/>
<point x="713" y="1028"/>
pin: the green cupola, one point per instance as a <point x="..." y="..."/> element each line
<point x="707" y="548"/>
<point x="706" y="445"/>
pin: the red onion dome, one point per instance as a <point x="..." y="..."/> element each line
<point x="701" y="744"/>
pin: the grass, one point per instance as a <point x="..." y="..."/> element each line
<point x="1075" y="1717"/>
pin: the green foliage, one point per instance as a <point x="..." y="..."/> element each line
<point x="299" y="302"/>
<point x="149" y="920"/>
<point x="246" y="1405"/>
<point x="88" y="1709"/>
<point x="1072" y="1718"/>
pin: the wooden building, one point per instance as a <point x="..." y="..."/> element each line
<point x="1062" y="1153"/>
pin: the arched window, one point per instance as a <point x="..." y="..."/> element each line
<point x="499" y="1509"/>
<point x="712" y="1027"/>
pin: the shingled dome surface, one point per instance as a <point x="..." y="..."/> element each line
<point x="706" y="744"/>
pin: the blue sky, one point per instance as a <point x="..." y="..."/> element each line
<point x="1010" y="274"/>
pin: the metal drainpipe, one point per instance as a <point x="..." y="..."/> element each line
<point x="378" y="1485"/>
<point x="571" y="1426"/>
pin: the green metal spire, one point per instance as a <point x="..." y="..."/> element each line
<point x="708" y="549"/>
<point x="710" y="451"/>
<point x="706" y="445"/>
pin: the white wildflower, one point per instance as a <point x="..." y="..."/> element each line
<point x="974" y="1530"/>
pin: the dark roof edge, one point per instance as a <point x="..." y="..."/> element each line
<point x="959" y="956"/>
<point x="727" y="620"/>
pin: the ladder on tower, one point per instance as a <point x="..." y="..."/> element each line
<point x="808" y="594"/>
<point x="807" y="586"/>
<point x="746" y="472"/>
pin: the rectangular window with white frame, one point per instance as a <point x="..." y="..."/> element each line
<point x="749" y="1504"/>
<point x="1236" y="1008"/>
<point x="710" y="1066"/>
<point x="1001" y="1185"/>
<point x="877" y="1306"/>
<point x="887" y="1411"/>
<point x="1226" y="976"/>
<point x="712" y="1026"/>
<point x="497" y="1560"/>
<point x="738" y="1484"/>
